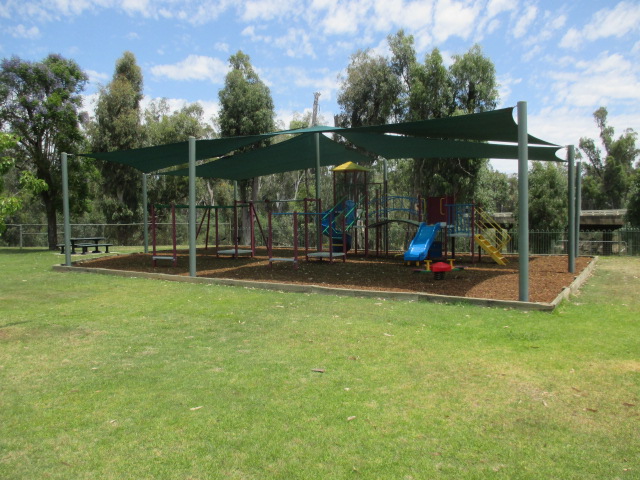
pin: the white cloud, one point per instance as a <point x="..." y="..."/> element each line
<point x="322" y="80"/>
<point x="616" y="22"/>
<point x="607" y="78"/>
<point x="296" y="43"/>
<point x="96" y="77"/>
<point x="264" y="10"/>
<point x="495" y="7"/>
<point x="194" y="67"/>
<point x="20" y="31"/>
<point x="524" y="21"/>
<point x="89" y="103"/>
<point x="222" y="47"/>
<point x="453" y="18"/>
<point x="251" y="32"/>
<point x="342" y="17"/>
<point x="193" y="12"/>
<point x="572" y="39"/>
<point x="506" y="84"/>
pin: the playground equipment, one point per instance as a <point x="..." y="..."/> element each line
<point x="236" y="251"/>
<point x="309" y="218"/>
<point x="438" y="268"/>
<point x="346" y="212"/>
<point x="469" y="221"/>
<point x="422" y="242"/>
<point x="295" y="241"/>
<point x="491" y="237"/>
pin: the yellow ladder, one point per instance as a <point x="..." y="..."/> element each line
<point x="490" y="249"/>
<point x="486" y="224"/>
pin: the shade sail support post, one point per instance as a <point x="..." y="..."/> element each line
<point x="523" y="203"/>
<point x="578" y="206"/>
<point x="65" y="209"/>
<point x="192" y="206"/>
<point x="316" y="137"/>
<point x="571" y="200"/>
<point x="145" y="213"/>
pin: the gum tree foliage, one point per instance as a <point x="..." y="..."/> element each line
<point x="368" y="92"/>
<point x="608" y="176"/>
<point x="295" y="184"/>
<point x="40" y="104"/>
<point x="496" y="191"/>
<point x="118" y="126"/>
<point x="246" y="108"/>
<point x="379" y="90"/>
<point x="547" y="196"/>
<point x="633" y="207"/>
<point x="9" y="204"/>
<point x="467" y="86"/>
<point x="164" y="126"/>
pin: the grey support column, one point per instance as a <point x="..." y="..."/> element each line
<point x="65" y="210"/>
<point x="385" y="192"/>
<point x="319" y="219"/>
<point x="145" y="213"/>
<point x="192" y="207"/>
<point x="523" y="203"/>
<point x="571" y="233"/>
<point x="578" y="205"/>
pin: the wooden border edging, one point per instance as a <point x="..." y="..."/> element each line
<point x="316" y="289"/>
<point x="577" y="283"/>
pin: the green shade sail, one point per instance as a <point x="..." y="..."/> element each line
<point x="464" y="136"/>
<point x="395" y="146"/>
<point x="152" y="159"/>
<point x="496" y="126"/>
<point x="297" y="153"/>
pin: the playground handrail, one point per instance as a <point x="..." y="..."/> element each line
<point x="484" y="221"/>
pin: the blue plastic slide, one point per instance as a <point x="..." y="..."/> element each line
<point x="421" y="243"/>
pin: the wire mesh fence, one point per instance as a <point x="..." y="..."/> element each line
<point x="623" y="242"/>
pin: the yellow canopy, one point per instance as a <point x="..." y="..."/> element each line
<point x="351" y="167"/>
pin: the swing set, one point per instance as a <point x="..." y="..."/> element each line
<point x="235" y="252"/>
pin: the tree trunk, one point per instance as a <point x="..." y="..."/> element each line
<point x="52" y="224"/>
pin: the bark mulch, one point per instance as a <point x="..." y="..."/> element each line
<point x="548" y="275"/>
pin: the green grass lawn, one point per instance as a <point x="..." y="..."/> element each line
<point x="125" y="378"/>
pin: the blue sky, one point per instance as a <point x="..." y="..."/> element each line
<point x="565" y="58"/>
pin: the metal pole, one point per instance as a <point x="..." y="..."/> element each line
<point x="65" y="210"/>
<point x="523" y="203"/>
<point x="571" y="234"/>
<point x="319" y="219"/>
<point x="383" y="201"/>
<point x="192" y="206"/>
<point x="578" y="205"/>
<point x="145" y="213"/>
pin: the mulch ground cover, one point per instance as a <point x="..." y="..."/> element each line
<point x="548" y="275"/>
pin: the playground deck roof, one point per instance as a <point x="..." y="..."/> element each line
<point x="464" y="136"/>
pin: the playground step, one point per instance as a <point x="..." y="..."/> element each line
<point x="493" y="252"/>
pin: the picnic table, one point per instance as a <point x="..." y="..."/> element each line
<point x="85" y="243"/>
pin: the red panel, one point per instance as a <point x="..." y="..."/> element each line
<point x="436" y="210"/>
